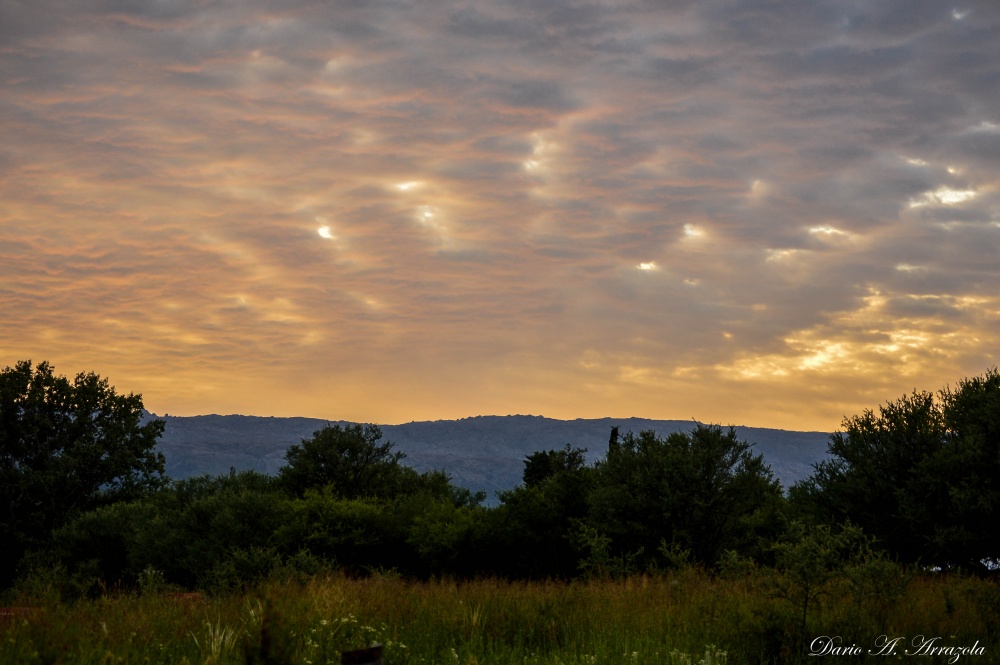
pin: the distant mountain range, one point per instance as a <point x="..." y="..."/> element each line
<point x="484" y="452"/>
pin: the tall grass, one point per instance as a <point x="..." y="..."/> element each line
<point x="687" y="617"/>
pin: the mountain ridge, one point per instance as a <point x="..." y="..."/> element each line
<point x="479" y="452"/>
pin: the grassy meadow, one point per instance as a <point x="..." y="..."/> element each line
<point x="686" y="617"/>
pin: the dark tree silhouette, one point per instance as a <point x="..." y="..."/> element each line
<point x="350" y="459"/>
<point x="66" y="447"/>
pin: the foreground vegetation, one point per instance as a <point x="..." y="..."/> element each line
<point x="680" y="549"/>
<point x="686" y="617"/>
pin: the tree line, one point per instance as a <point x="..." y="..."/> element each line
<point x="84" y="497"/>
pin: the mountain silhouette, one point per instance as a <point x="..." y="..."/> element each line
<point x="482" y="452"/>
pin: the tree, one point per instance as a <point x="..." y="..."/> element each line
<point x="876" y="476"/>
<point x="531" y="529"/>
<point x="921" y="475"/>
<point x="970" y="461"/>
<point x="543" y="464"/>
<point x="349" y="458"/>
<point x="807" y="559"/>
<point x="67" y="447"/>
<point x="696" y="491"/>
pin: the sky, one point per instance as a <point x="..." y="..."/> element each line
<point x="748" y="212"/>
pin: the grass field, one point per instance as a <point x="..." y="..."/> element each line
<point x="685" y="617"/>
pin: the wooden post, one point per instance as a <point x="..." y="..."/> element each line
<point x="370" y="656"/>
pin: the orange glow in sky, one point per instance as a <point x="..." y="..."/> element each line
<point x="398" y="211"/>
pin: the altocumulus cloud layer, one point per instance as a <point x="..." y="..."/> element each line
<point x="770" y="213"/>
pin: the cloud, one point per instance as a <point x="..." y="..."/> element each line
<point x="813" y="193"/>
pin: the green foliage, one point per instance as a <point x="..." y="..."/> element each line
<point x="595" y="558"/>
<point x="201" y="531"/>
<point x="355" y="534"/>
<point x="443" y="536"/>
<point x="675" y="557"/>
<point x="824" y="581"/>
<point x="352" y="463"/>
<point x="920" y="475"/>
<point x="199" y="525"/>
<point x="242" y="568"/>
<point x="965" y="480"/>
<point x="652" y="498"/>
<point x="349" y="459"/>
<point x="880" y="466"/>
<point x="810" y="558"/>
<point x="151" y="581"/>
<point x="66" y="447"/>
<point x="528" y="536"/>
<point x="532" y="528"/>
<point x="225" y="533"/>
<point x="544" y="464"/>
<point x="876" y="583"/>
<point x="436" y="484"/>
<point x="103" y="547"/>
<point x="696" y="489"/>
